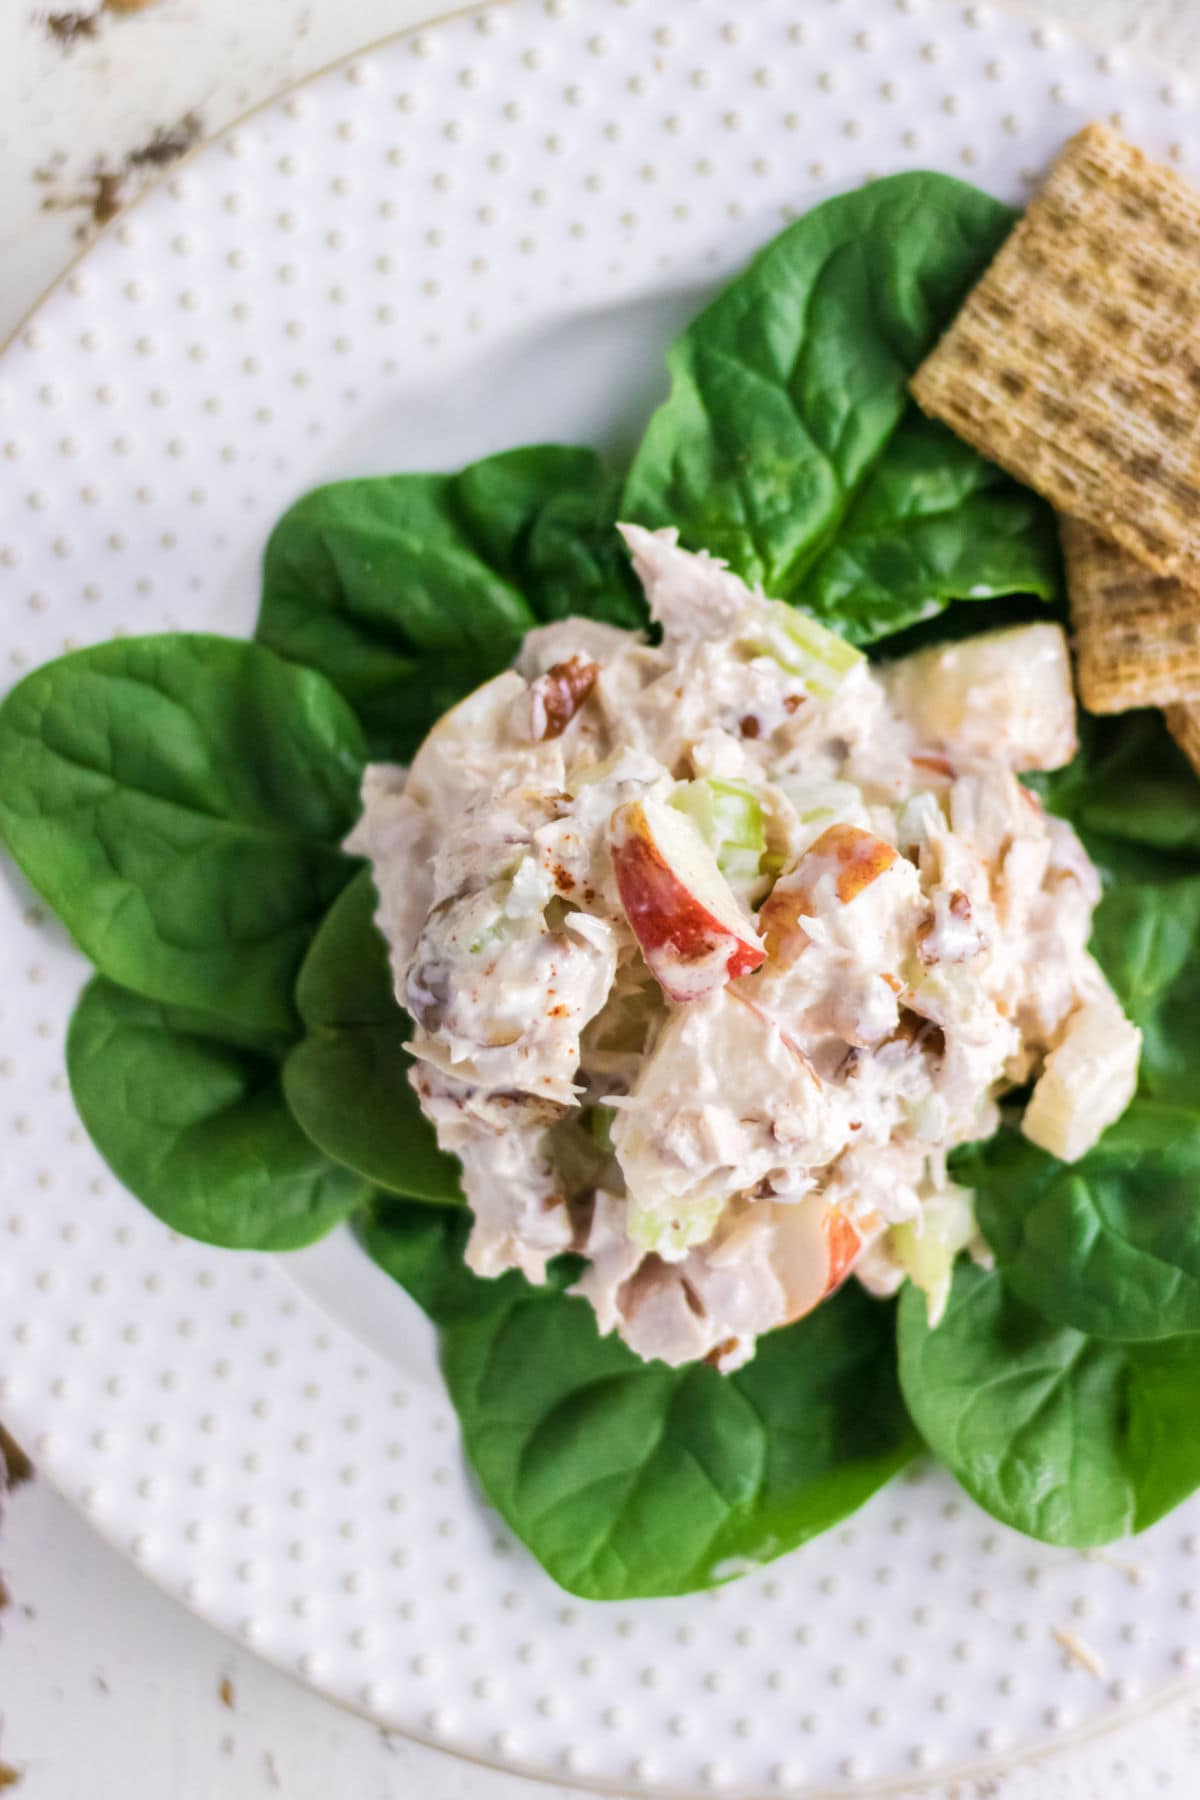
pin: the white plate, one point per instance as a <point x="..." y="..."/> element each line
<point x="481" y="234"/>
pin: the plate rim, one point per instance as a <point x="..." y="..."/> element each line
<point x="1046" y="1746"/>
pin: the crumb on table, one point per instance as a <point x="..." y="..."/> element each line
<point x="102" y="193"/>
<point x="15" y="1466"/>
<point x="69" y="27"/>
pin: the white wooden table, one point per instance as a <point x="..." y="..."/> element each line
<point x="106" y="1687"/>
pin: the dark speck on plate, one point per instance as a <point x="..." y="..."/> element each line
<point x="15" y="1466"/>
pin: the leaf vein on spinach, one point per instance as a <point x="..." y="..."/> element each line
<point x="179" y="802"/>
<point x="788" y="390"/>
<point x="629" y="1478"/>
<point x="640" y="1469"/>
<point x="409" y="590"/>
<point x="192" y="1120"/>
<point x="1104" y="1441"/>
<point x="1053" y="1387"/>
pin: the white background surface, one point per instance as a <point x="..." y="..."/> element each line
<point x="105" y="1687"/>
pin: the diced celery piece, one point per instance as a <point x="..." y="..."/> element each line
<point x="590" y="773"/>
<point x="730" y="819"/>
<point x="820" y="800"/>
<point x="926" y="1247"/>
<point x="928" y="1117"/>
<point x="578" y="1157"/>
<point x="670" y="1233"/>
<point x="921" y="820"/>
<point x="599" y="1122"/>
<point x="803" y="647"/>
<point x="499" y="926"/>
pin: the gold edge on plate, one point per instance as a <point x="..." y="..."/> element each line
<point x="474" y="8"/>
<point x="893" y="1787"/>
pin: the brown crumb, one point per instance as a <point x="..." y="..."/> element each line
<point x="167" y="145"/>
<point x="9" y="1777"/>
<point x="225" y="1693"/>
<point x="1075" y="1650"/>
<point x="67" y="28"/>
<point x="15" y="1466"/>
<point x="103" y="192"/>
<point x="913" y="1028"/>
<point x="102" y="197"/>
<point x="5" y="1596"/>
<point x="106" y="202"/>
<point x="750" y="726"/>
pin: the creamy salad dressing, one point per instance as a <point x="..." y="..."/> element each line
<point x="715" y="949"/>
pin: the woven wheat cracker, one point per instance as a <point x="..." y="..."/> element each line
<point x="1075" y="361"/>
<point x="1183" y="722"/>
<point x="1137" y="634"/>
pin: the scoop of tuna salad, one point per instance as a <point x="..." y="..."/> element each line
<point x="717" y="947"/>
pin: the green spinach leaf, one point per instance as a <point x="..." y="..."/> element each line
<point x="408" y="591"/>
<point x="422" y="1249"/>
<point x="179" y="802"/>
<point x="931" y="523"/>
<point x="1130" y="783"/>
<point x="1109" y="1245"/>
<point x="189" y="1114"/>
<point x="1146" y="937"/>
<point x="1063" y="1437"/>
<point x="627" y="1478"/>
<point x="346" y="1080"/>
<point x="788" y="445"/>
<point x="575" y="561"/>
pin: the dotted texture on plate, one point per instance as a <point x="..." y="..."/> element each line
<point x="335" y="286"/>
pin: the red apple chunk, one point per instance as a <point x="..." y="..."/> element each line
<point x="858" y="857"/>
<point x="779" y="920"/>
<point x="691" y="930"/>
<point x="854" y="857"/>
<point x="816" y="1247"/>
